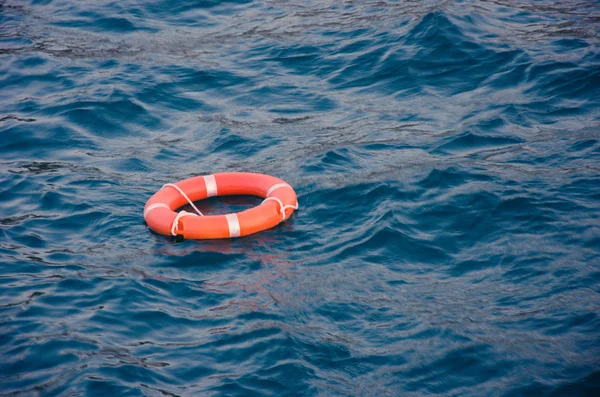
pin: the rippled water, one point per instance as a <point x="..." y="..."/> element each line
<point x="446" y="158"/>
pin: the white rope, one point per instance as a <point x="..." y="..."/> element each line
<point x="282" y="207"/>
<point x="184" y="195"/>
<point x="175" y="226"/>
<point x="182" y="213"/>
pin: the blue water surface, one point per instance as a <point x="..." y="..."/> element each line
<point x="446" y="157"/>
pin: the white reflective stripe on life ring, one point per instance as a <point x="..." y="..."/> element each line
<point x="277" y="186"/>
<point x="153" y="206"/>
<point x="211" y="185"/>
<point x="234" y="225"/>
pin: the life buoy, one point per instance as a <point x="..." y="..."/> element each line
<point x="279" y="203"/>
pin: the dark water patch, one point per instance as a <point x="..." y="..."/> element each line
<point x="99" y="24"/>
<point x="13" y="117"/>
<point x="440" y="179"/>
<point x="469" y="142"/>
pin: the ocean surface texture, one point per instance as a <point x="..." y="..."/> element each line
<point x="446" y="157"/>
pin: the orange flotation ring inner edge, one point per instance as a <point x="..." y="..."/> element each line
<point x="280" y="202"/>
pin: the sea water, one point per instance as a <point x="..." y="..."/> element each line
<point x="446" y="157"/>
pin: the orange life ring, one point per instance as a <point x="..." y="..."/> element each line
<point x="279" y="204"/>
